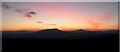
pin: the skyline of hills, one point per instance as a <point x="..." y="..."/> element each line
<point x="59" y="30"/>
<point x="57" y="34"/>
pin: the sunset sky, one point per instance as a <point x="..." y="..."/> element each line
<point x="66" y="16"/>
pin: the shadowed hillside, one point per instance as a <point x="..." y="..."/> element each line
<point x="57" y="34"/>
<point x="80" y="40"/>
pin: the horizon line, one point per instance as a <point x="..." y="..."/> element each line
<point x="63" y="30"/>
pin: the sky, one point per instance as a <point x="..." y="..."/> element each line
<point x="60" y="0"/>
<point x="65" y="16"/>
<point x="0" y="18"/>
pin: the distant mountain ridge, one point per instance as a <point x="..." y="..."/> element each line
<point x="14" y="32"/>
<point x="58" y="34"/>
<point x="55" y="29"/>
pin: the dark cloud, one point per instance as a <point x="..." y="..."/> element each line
<point x="29" y="14"/>
<point x="24" y="12"/>
<point x="39" y="22"/>
<point x="4" y="5"/>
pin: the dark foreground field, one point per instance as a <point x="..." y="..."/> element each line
<point x="103" y="42"/>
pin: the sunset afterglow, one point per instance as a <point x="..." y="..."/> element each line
<point x="66" y="16"/>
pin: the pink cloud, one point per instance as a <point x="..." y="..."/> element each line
<point x="59" y="12"/>
<point x="106" y="16"/>
<point x="95" y="24"/>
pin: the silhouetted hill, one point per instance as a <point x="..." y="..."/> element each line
<point x="54" y="38"/>
<point x="55" y="30"/>
<point x="15" y="34"/>
<point x="112" y="31"/>
<point x="79" y="31"/>
<point x="49" y="33"/>
<point x="57" y="34"/>
<point x="21" y="31"/>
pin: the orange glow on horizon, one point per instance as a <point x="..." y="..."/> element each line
<point x="63" y="16"/>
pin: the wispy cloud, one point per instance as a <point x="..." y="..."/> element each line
<point x="21" y="10"/>
<point x="51" y="24"/>
<point x="95" y="24"/>
<point x="4" y="5"/>
<point x="105" y="17"/>
<point x="24" y="12"/>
